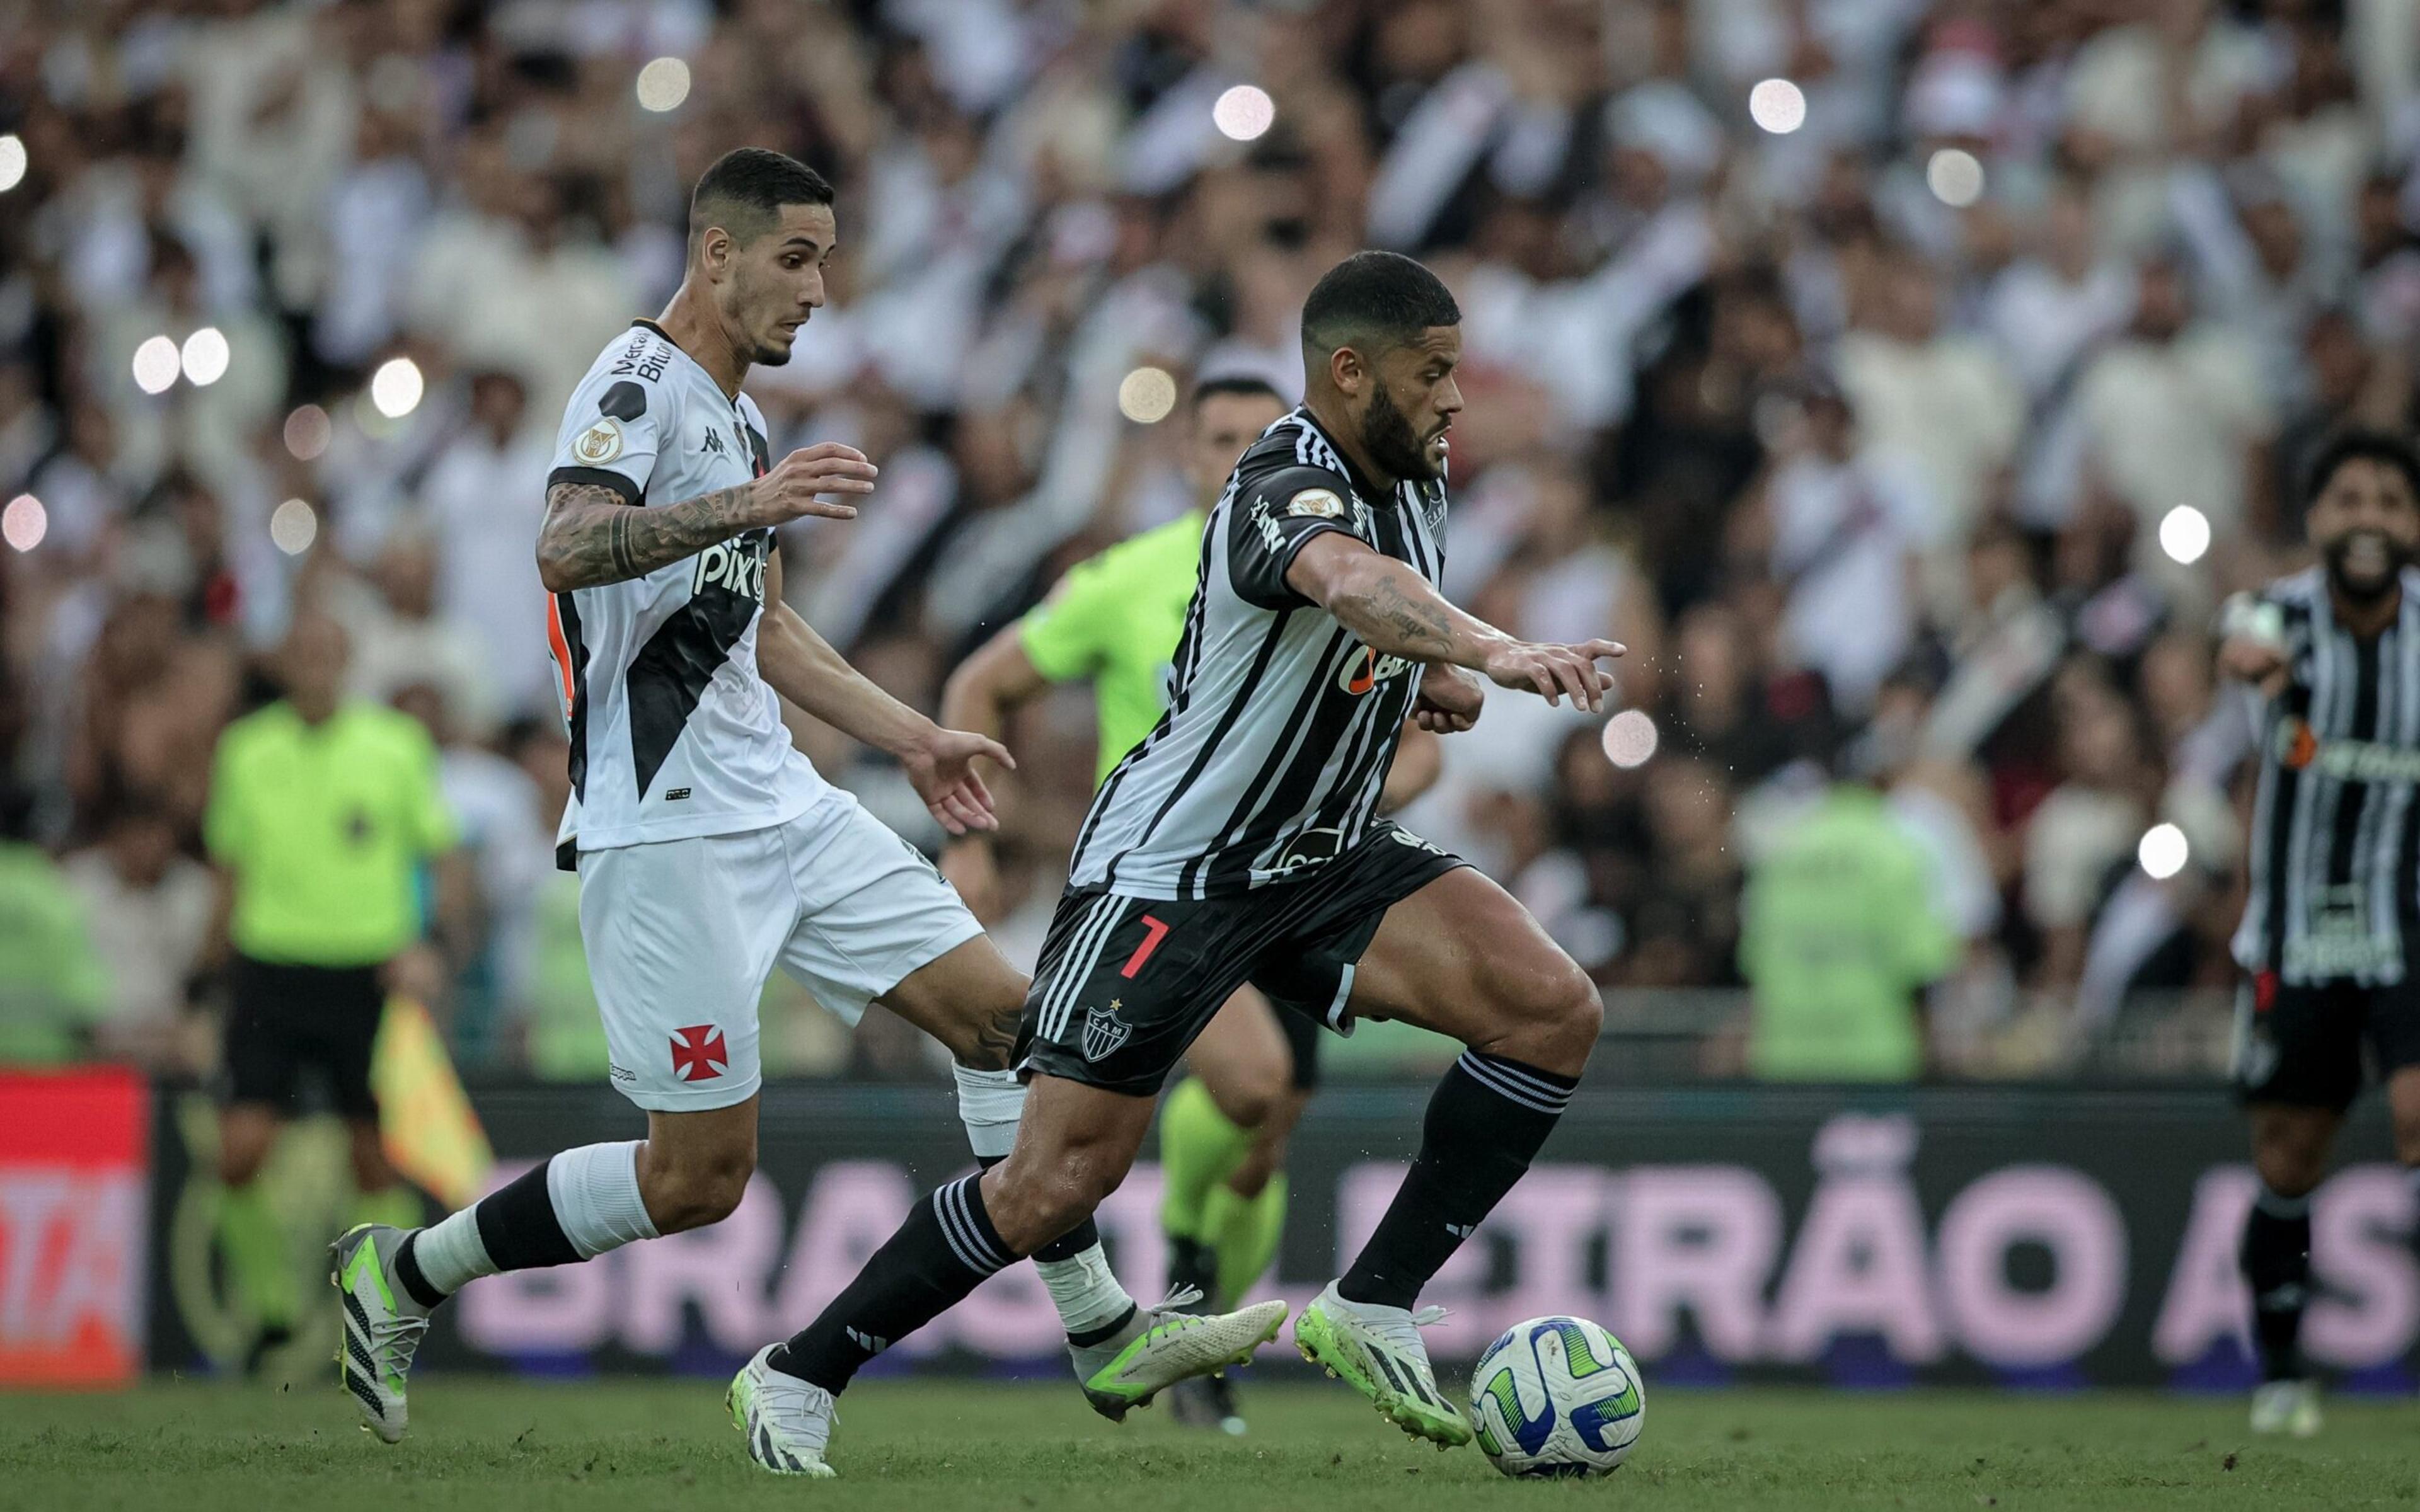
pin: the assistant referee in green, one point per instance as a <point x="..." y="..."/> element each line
<point x="325" y="817"/>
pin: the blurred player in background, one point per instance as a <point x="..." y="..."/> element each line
<point x="1115" y="619"/>
<point x="324" y="811"/>
<point x="2330" y="943"/>
<point x="1240" y="843"/>
<point x="708" y="849"/>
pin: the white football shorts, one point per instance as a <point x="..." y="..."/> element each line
<point x="682" y="933"/>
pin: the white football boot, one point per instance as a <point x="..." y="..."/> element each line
<point x="1377" y="1351"/>
<point x="787" y="1422"/>
<point x="2289" y="1407"/>
<point x="382" y="1325"/>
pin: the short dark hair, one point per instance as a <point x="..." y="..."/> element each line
<point x="1241" y="385"/>
<point x="1373" y="300"/>
<point x="2359" y="445"/>
<point x="745" y="189"/>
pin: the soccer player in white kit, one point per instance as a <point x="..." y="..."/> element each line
<point x="710" y="850"/>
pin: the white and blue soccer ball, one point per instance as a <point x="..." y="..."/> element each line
<point x="1557" y="1396"/>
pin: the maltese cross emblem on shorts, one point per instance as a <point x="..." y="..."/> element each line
<point x="698" y="1052"/>
<point x="1105" y="1031"/>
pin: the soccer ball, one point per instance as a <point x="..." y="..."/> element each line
<point x="1557" y="1396"/>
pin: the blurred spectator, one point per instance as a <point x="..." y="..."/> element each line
<point x="1841" y="932"/>
<point x="53" y="995"/>
<point x="150" y="910"/>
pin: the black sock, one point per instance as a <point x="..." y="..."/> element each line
<point x="1484" y="1125"/>
<point x="1192" y="1264"/>
<point x="1066" y="1246"/>
<point x="2277" y="1259"/>
<point x="942" y="1252"/>
<point x="408" y="1273"/>
<point x="518" y="1225"/>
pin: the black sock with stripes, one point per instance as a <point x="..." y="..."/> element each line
<point x="942" y="1252"/>
<point x="2277" y="1259"/>
<point x="1066" y="1246"/>
<point x="1485" y="1124"/>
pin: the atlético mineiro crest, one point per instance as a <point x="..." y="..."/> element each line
<point x="698" y="1052"/>
<point x="1104" y="1032"/>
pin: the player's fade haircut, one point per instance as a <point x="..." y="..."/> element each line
<point x="2357" y="444"/>
<point x="745" y="189"/>
<point x="1240" y="385"/>
<point x="1373" y="300"/>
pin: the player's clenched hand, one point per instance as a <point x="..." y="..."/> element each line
<point x="1450" y="700"/>
<point x="789" y="491"/>
<point x="942" y="767"/>
<point x="2255" y="660"/>
<point x="1554" y="671"/>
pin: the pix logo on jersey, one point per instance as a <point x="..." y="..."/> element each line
<point x="699" y="1053"/>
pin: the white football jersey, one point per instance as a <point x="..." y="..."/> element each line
<point x="673" y="734"/>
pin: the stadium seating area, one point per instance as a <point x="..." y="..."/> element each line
<point x="1904" y="383"/>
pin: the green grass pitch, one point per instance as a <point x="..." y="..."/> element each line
<point x="935" y="1447"/>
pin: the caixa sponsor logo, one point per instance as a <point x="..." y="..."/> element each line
<point x="1367" y="670"/>
<point x="735" y="567"/>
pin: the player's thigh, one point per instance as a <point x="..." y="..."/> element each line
<point x="1242" y="1059"/>
<point x="2297" y="1066"/>
<point x="1462" y="957"/>
<point x="680" y="935"/>
<point x="877" y="923"/>
<point x="1126" y="984"/>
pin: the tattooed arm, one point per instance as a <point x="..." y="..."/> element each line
<point x="1393" y="610"/>
<point x="593" y="535"/>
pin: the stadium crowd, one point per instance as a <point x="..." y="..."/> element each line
<point x="1848" y="358"/>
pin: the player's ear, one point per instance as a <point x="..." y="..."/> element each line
<point x="714" y="250"/>
<point x="1347" y="371"/>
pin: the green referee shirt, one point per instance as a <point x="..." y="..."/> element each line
<point x="1116" y="619"/>
<point x="324" y="828"/>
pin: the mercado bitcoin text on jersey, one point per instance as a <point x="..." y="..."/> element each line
<point x="673" y="734"/>
<point x="1116" y="620"/>
<point x="2335" y="832"/>
<point x="1280" y="723"/>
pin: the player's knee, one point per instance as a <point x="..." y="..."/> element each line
<point x="240" y="1163"/>
<point x="2407" y="1143"/>
<point x="701" y="1189"/>
<point x="1552" y="1016"/>
<point x="984" y="1040"/>
<point x="1248" y="1100"/>
<point x="2289" y="1163"/>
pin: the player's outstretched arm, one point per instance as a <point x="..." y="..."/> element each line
<point x="802" y="667"/>
<point x="1395" y="611"/>
<point x="979" y="696"/>
<point x="593" y="536"/>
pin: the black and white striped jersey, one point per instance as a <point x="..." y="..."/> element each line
<point x="2335" y="833"/>
<point x="1280" y="724"/>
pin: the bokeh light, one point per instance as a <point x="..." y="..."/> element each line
<point x="2164" y="851"/>
<point x="1146" y="395"/>
<point x="12" y="162"/>
<point x="395" y="386"/>
<point x="664" y="84"/>
<point x="1630" y="739"/>
<point x="204" y="357"/>
<point x="1955" y="176"/>
<point x="24" y="522"/>
<point x="2184" y="534"/>
<point x="1778" y="106"/>
<point x="1243" y="113"/>
<point x="308" y="431"/>
<point x="293" y="526"/>
<point x="155" y="364"/>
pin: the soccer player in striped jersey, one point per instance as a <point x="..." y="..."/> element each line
<point x="2332" y="916"/>
<point x="1239" y="842"/>
<point x="1115" y="619"/>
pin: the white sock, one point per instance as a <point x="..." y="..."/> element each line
<point x="989" y="1104"/>
<point x="1088" y="1297"/>
<point x="592" y="1198"/>
<point x="596" y="1192"/>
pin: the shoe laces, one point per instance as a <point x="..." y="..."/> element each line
<point x="798" y="1406"/>
<point x="1400" y="1331"/>
<point x="394" y="1340"/>
<point x="1171" y="1308"/>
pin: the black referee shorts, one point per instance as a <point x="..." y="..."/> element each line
<point x="2302" y="1046"/>
<point x="288" y="1021"/>
<point x="1127" y="983"/>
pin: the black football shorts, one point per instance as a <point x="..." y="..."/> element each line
<point x="1127" y="983"/>
<point x="2302" y="1046"/>
<point x="288" y="1023"/>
